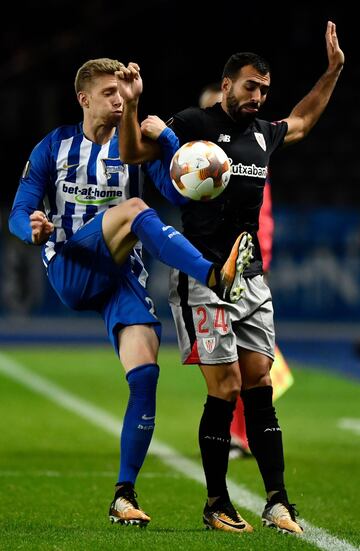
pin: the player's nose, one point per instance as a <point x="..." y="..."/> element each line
<point x="118" y="102"/>
<point x="256" y="96"/>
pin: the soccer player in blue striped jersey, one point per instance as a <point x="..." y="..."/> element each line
<point x="90" y="230"/>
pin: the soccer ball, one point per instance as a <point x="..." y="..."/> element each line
<point x="200" y="170"/>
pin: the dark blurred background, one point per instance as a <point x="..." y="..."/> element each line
<point x="182" y="46"/>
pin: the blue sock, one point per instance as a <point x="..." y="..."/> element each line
<point x="170" y="246"/>
<point x="139" y="420"/>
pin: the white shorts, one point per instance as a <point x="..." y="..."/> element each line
<point x="210" y="330"/>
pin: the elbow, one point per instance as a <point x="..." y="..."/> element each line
<point x="132" y="157"/>
<point x="11" y="224"/>
<point x="128" y="158"/>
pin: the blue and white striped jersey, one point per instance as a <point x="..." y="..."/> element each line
<point x="75" y="179"/>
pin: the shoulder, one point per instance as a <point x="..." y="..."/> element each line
<point x="189" y="124"/>
<point x="269" y="127"/>
<point x="189" y="113"/>
<point x="64" y="132"/>
<point x="61" y="133"/>
<point x="50" y="144"/>
<point x="57" y="135"/>
<point x="274" y="131"/>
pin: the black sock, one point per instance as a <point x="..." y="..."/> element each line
<point x="214" y="441"/>
<point x="264" y="435"/>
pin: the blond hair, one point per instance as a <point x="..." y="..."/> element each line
<point x="94" y="68"/>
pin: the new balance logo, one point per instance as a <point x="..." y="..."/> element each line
<point x="224" y="138"/>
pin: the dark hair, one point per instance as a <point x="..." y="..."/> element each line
<point x="239" y="60"/>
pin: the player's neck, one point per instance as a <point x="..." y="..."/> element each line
<point x="99" y="134"/>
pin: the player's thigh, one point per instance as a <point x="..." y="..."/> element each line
<point x="116" y="228"/>
<point x="255" y="326"/>
<point x="255" y="334"/>
<point x="138" y="345"/>
<point x="130" y="305"/>
<point x="83" y="271"/>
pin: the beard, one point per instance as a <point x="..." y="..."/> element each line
<point x="237" y="112"/>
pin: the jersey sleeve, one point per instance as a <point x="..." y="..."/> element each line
<point x="31" y="191"/>
<point x="277" y="131"/>
<point x="159" y="171"/>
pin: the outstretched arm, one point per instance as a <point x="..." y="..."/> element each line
<point x="134" y="146"/>
<point x="308" y="111"/>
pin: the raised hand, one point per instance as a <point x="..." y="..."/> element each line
<point x="129" y="82"/>
<point x="335" y="54"/>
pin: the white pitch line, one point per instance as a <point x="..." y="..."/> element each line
<point x="248" y="500"/>
<point x="349" y="424"/>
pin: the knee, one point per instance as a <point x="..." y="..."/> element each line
<point x="233" y="389"/>
<point x="228" y="389"/>
<point x="259" y="375"/>
<point x="130" y="209"/>
<point x="263" y="379"/>
<point x="135" y="205"/>
<point x="257" y="380"/>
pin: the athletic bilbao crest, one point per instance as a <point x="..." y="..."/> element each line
<point x="260" y="140"/>
<point x="209" y="344"/>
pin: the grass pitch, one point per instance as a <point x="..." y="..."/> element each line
<point x="59" y="458"/>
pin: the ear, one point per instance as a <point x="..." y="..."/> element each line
<point x="226" y="84"/>
<point x="83" y="99"/>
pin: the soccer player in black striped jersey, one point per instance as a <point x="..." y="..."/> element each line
<point x="280" y="372"/>
<point x="232" y="343"/>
